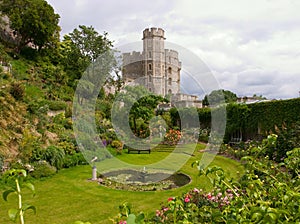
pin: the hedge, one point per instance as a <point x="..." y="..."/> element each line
<point x="252" y="120"/>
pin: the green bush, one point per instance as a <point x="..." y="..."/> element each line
<point x="33" y="93"/>
<point x="118" y="145"/>
<point x="68" y="147"/>
<point x="42" y="169"/>
<point x="1" y="70"/>
<point x="204" y="135"/>
<point x="288" y="139"/>
<point x="37" y="107"/>
<point x="17" y="90"/>
<point x="57" y="105"/>
<point x="55" y="156"/>
<point x="74" y="160"/>
<point x="293" y="162"/>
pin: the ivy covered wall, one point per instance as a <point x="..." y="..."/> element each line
<point x="251" y="121"/>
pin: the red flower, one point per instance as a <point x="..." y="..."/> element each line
<point x="170" y="199"/>
<point x="209" y="196"/>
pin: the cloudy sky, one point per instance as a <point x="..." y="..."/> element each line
<point x="251" y="47"/>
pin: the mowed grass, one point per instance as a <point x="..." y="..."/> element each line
<point x="69" y="196"/>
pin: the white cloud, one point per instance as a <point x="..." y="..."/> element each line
<point x="252" y="47"/>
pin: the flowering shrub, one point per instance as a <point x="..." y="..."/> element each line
<point x="172" y="137"/>
<point x="118" y="145"/>
<point x="192" y="206"/>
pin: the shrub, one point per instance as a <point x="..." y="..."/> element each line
<point x="42" y="169"/>
<point x="55" y="156"/>
<point x="74" y="160"/>
<point x="17" y="90"/>
<point x="68" y="147"/>
<point x="204" y="135"/>
<point x="33" y="93"/>
<point x="57" y="105"/>
<point x="118" y="145"/>
<point x="288" y="139"/>
<point x="172" y="137"/>
<point x="293" y="161"/>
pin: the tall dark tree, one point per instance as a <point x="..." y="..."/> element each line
<point x="31" y="22"/>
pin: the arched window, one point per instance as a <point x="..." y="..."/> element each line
<point x="170" y="81"/>
<point x="169" y="91"/>
<point x="150" y="66"/>
<point x="170" y="70"/>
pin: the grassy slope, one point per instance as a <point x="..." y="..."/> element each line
<point x="68" y="196"/>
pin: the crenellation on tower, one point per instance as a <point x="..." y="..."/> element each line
<point x="153" y="32"/>
<point x="132" y="57"/>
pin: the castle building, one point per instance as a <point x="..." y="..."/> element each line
<point x="157" y="68"/>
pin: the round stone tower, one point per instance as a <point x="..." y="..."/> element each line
<point x="154" y="59"/>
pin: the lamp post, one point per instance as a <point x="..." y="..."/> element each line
<point x="94" y="168"/>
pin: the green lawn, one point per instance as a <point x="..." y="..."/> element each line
<point x="69" y="196"/>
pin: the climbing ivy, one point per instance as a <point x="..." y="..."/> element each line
<point x="251" y="119"/>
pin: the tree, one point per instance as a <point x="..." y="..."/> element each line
<point x="32" y="22"/>
<point x="218" y="97"/>
<point x="82" y="47"/>
<point x="139" y="105"/>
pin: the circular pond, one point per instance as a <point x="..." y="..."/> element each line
<point x="136" y="180"/>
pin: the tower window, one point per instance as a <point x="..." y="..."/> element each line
<point x="169" y="91"/>
<point x="150" y="66"/>
<point x="170" y="70"/>
<point x="149" y="54"/>
<point x="170" y="81"/>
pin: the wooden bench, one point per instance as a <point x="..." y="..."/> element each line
<point x="138" y="150"/>
<point x="234" y="141"/>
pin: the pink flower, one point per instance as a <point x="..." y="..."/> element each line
<point x="122" y="222"/>
<point x="157" y="213"/>
<point x="187" y="200"/>
<point x="228" y="190"/>
<point x="196" y="190"/>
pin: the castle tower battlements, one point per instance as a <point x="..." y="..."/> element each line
<point x="132" y="57"/>
<point x="153" y="32"/>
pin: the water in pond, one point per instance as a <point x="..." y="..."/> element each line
<point x="147" y="178"/>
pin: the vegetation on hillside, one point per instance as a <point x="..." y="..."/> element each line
<point x="38" y="78"/>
